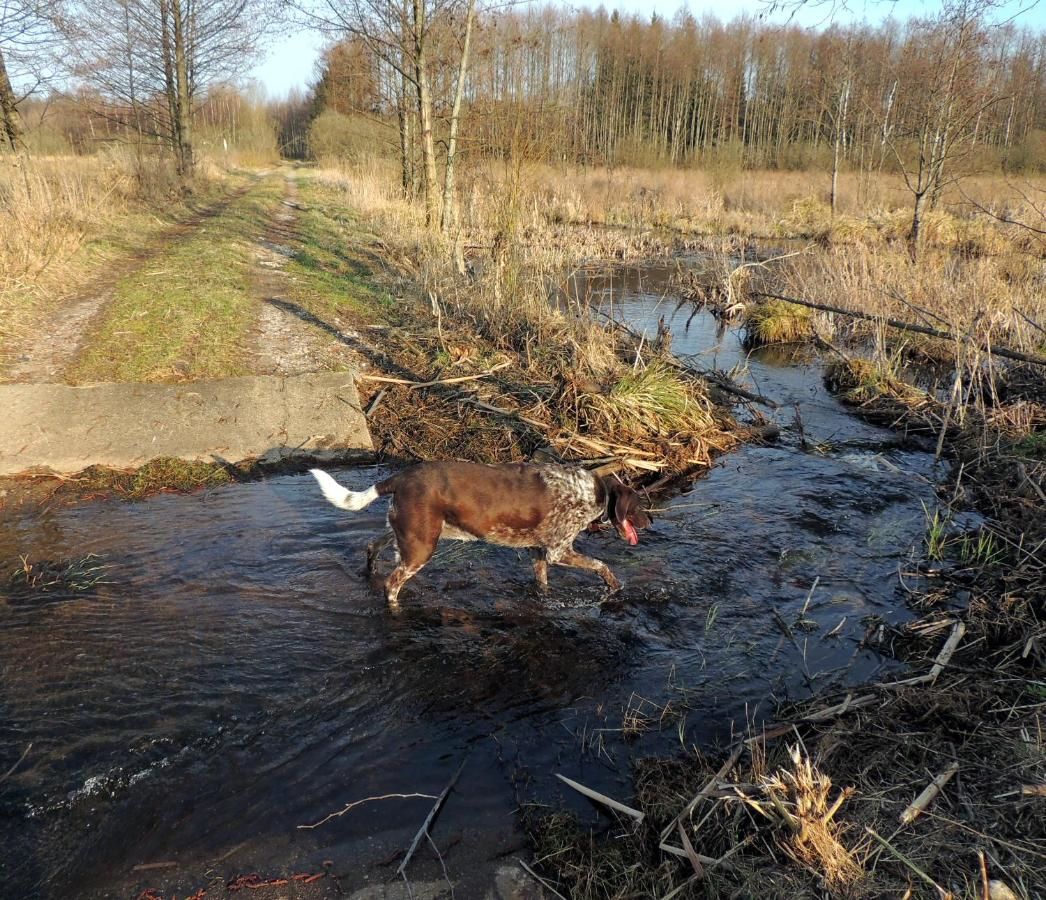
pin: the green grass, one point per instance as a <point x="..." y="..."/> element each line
<point x="653" y="400"/>
<point x="936" y="533"/>
<point x="1032" y="445"/>
<point x="164" y="473"/>
<point x="330" y="274"/>
<point x="980" y="550"/>
<point x="184" y="314"/>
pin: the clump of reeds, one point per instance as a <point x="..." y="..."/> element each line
<point x="777" y="322"/>
<point x="649" y="400"/>
<point x="800" y="795"/>
<point x="863" y="380"/>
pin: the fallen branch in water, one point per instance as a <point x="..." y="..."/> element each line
<point x="18" y="762"/>
<point x="429" y="819"/>
<point x="356" y="803"/>
<point x="1032" y="358"/>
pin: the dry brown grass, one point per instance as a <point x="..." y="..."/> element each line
<point x="975" y="277"/>
<point x="765" y="203"/>
<point x="65" y="217"/>
<point x="802" y="796"/>
<point x="989" y="298"/>
<point x="519" y="261"/>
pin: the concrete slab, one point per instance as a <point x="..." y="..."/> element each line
<point x="64" y="429"/>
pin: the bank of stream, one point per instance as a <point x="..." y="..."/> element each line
<point x="232" y="676"/>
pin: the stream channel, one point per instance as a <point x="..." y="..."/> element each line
<point x="237" y="677"/>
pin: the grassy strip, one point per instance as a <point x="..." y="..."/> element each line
<point x="331" y="276"/>
<point x="185" y="313"/>
<point x="69" y="220"/>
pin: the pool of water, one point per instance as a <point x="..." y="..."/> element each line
<point x="237" y="677"/>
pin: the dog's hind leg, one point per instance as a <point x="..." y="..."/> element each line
<point x="415" y="544"/>
<point x="540" y="567"/>
<point x="375" y="547"/>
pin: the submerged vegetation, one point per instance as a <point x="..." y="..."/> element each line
<point x="43" y="577"/>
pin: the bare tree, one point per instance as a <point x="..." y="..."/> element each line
<point x="449" y="197"/>
<point x="402" y="36"/>
<point x="26" y="38"/>
<point x="151" y="60"/>
<point x="948" y="89"/>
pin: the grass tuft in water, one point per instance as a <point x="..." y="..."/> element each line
<point x="49" y="576"/>
<point x="936" y="533"/>
<point x="651" y="400"/>
<point x="777" y="322"/>
<point x="862" y="381"/>
<point x="163" y="474"/>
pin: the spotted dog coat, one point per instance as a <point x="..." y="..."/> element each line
<point x="542" y="508"/>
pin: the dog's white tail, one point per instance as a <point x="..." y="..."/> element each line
<point x="342" y="497"/>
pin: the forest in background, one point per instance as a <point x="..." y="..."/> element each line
<point x="588" y="87"/>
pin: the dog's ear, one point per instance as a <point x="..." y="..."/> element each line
<point x="615" y="509"/>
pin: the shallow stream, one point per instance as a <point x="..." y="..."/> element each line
<point x="237" y="677"/>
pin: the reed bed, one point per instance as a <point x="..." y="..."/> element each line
<point x="580" y="387"/>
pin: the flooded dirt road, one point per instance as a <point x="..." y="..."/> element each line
<point x="237" y="677"/>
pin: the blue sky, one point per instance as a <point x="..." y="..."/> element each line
<point x="291" y="60"/>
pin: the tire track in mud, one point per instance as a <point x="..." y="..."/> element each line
<point x="282" y="342"/>
<point x="59" y="336"/>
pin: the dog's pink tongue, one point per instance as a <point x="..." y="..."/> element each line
<point x="630" y="533"/>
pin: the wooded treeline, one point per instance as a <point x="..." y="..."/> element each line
<point x="137" y="70"/>
<point x="598" y="87"/>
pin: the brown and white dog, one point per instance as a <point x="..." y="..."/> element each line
<point x="541" y="507"/>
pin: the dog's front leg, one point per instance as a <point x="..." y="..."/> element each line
<point x="570" y="557"/>
<point x="540" y="567"/>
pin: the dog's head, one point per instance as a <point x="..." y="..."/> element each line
<point x="624" y="510"/>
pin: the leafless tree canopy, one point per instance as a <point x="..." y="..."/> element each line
<point x="148" y="61"/>
<point x="27" y="39"/>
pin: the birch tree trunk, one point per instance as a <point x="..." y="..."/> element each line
<point x="428" y="146"/>
<point x="449" y="200"/>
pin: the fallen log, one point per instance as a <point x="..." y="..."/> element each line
<point x="1032" y="358"/>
